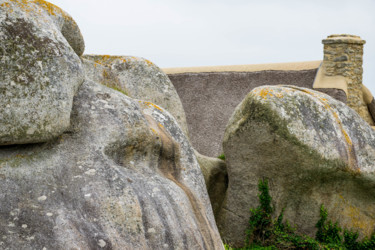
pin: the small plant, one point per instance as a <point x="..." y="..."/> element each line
<point x="327" y="232"/>
<point x="221" y="157"/>
<point x="260" y="222"/>
<point x="368" y="243"/>
<point x="265" y="233"/>
<point x="350" y="240"/>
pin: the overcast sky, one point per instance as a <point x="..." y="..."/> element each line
<point x="179" y="33"/>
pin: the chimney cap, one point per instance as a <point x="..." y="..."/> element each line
<point x="343" y="38"/>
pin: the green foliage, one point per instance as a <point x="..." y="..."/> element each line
<point x="350" y="240"/>
<point x="260" y="222"/>
<point x="327" y="232"/>
<point x="368" y="243"/>
<point x="265" y="233"/>
<point x="221" y="157"/>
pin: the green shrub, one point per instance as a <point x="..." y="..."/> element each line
<point x="265" y="233"/>
<point x="327" y="232"/>
<point x="350" y="240"/>
<point x="221" y="157"/>
<point x="260" y="222"/>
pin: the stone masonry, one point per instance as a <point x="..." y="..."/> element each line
<point x="343" y="57"/>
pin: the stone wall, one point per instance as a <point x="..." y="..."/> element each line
<point x="343" y="57"/>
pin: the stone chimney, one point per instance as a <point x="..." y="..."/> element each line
<point x="343" y="58"/>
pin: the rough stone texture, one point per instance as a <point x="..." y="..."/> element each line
<point x="216" y="178"/>
<point x="210" y="98"/>
<point x="138" y="78"/>
<point x="40" y="72"/>
<point x="66" y="25"/>
<point x="124" y="177"/>
<point x="313" y="150"/>
<point x="371" y="108"/>
<point x="343" y="57"/>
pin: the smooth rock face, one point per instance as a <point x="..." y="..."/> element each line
<point x="40" y="71"/>
<point x="138" y="78"/>
<point x="313" y="149"/>
<point x="124" y="177"/>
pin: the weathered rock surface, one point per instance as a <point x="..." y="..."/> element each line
<point x="313" y="150"/>
<point x="371" y="108"/>
<point x="215" y="175"/>
<point x="40" y="71"/>
<point x="124" y="177"/>
<point x="138" y="78"/>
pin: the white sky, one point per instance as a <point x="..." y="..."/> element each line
<point x="179" y="33"/>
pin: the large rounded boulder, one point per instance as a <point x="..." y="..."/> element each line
<point x="138" y="78"/>
<point x="40" y="70"/>
<point x="314" y="151"/>
<point x="124" y="177"/>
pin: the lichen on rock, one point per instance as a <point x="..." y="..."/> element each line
<point x="125" y="176"/>
<point x="40" y="74"/>
<point x="91" y="168"/>
<point x="138" y="78"/>
<point x="313" y="149"/>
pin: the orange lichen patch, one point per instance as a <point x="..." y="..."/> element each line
<point x="264" y="93"/>
<point x="347" y="138"/>
<point x="150" y="104"/>
<point x="22" y="4"/>
<point x="149" y="63"/>
<point x="52" y="9"/>
<point x="5" y="5"/>
<point x="107" y="59"/>
<point x="154" y="131"/>
<point x="27" y="6"/>
<point x="160" y="125"/>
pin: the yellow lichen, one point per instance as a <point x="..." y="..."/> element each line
<point x="50" y="8"/>
<point x="28" y="6"/>
<point x="150" y="104"/>
<point x="149" y="63"/>
<point x="7" y="5"/>
<point x="264" y="93"/>
<point x="357" y="219"/>
<point x="107" y="59"/>
<point x="154" y="131"/>
<point x="22" y="4"/>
